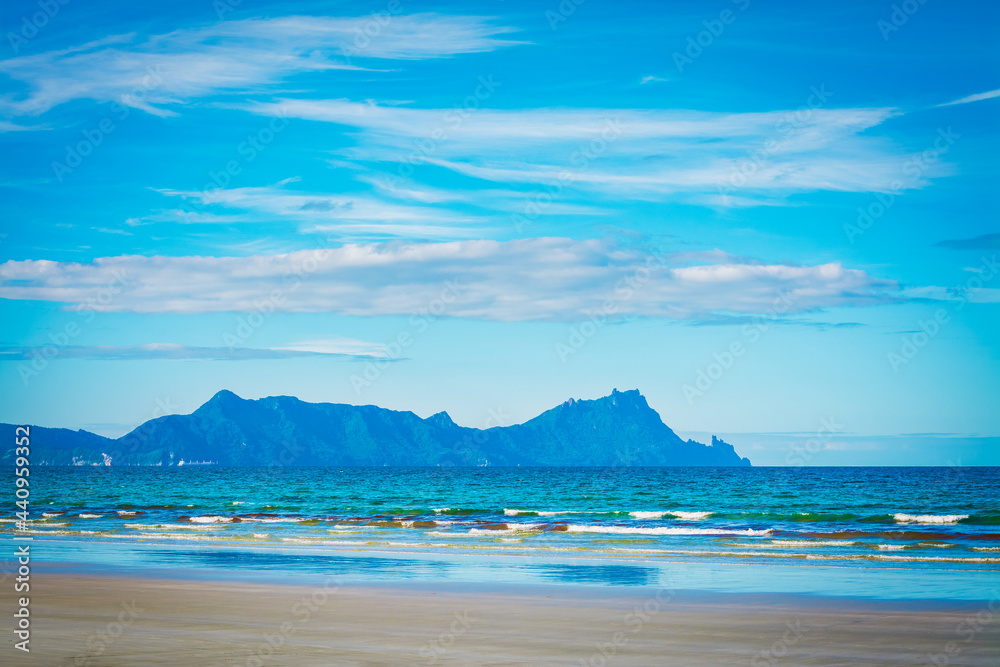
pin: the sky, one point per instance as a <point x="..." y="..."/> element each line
<point x="777" y="221"/>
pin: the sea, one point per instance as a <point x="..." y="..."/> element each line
<point x="892" y="533"/>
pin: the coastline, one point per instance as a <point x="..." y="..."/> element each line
<point x="124" y="620"/>
<point x="408" y="564"/>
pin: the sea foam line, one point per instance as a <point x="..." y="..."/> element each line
<point x="515" y="512"/>
<point x="511" y="529"/>
<point x="664" y="530"/>
<point x="810" y="543"/>
<point x="929" y="518"/>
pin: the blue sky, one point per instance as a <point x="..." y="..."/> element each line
<point x="766" y="217"/>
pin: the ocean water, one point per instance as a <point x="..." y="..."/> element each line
<point x="890" y="522"/>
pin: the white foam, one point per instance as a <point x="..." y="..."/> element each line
<point x="90" y="516"/>
<point x="647" y="515"/>
<point x="48" y="514"/>
<point x="929" y="518"/>
<point x="664" y="530"/>
<point x="512" y="528"/>
<point x="811" y="543"/>
<point x="126" y="512"/>
<point x="167" y="536"/>
<point x="211" y="519"/>
<point x="169" y="526"/>
<point x="260" y="536"/>
<point x="690" y="516"/>
<point x="935" y="559"/>
<point x="891" y="547"/>
<point x="509" y="512"/>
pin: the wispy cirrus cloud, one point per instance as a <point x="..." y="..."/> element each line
<point x="646" y="154"/>
<point x="988" y="95"/>
<point x="159" y="72"/>
<point x="350" y="215"/>
<point x="8" y="126"/>
<point x="341" y="348"/>
<point x="539" y="279"/>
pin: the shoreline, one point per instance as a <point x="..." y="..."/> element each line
<point x="378" y="566"/>
<point x="122" y="620"/>
<point x="586" y="591"/>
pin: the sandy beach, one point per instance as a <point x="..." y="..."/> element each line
<point x="96" y="620"/>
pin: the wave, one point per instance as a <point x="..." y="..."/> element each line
<point x="665" y="530"/>
<point x="809" y="543"/>
<point x="458" y="511"/>
<point x="512" y="512"/>
<point x="211" y="518"/>
<point x="169" y="526"/>
<point x="89" y="516"/>
<point x="690" y="516"/>
<point x="929" y="518"/>
<point x="504" y="529"/>
<point x="935" y="559"/>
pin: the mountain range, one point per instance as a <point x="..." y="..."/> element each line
<point x="616" y="430"/>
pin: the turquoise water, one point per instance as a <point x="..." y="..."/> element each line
<point x="907" y="523"/>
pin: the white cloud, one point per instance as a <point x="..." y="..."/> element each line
<point x="7" y="126"/>
<point x="347" y="348"/>
<point x="341" y="346"/>
<point x="542" y="279"/>
<point x="350" y="215"/>
<point x="649" y="154"/>
<point x="973" y="98"/>
<point x="162" y="71"/>
<point x="186" y="217"/>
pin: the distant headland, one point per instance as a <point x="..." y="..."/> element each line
<point x="617" y="430"/>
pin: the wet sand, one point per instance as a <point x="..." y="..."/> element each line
<point x="110" y="621"/>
